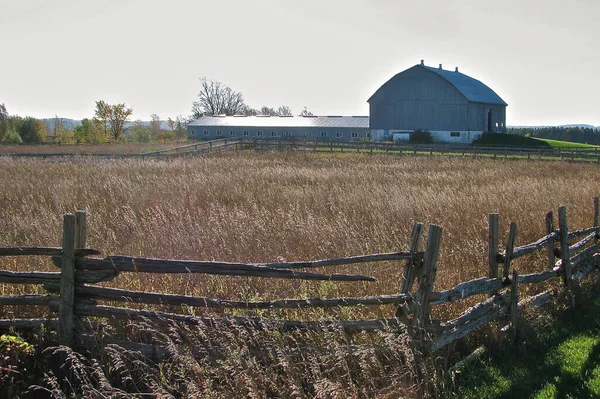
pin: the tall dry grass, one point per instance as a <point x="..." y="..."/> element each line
<point x="250" y="207"/>
<point x="109" y="148"/>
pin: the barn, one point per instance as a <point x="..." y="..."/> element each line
<point x="330" y="128"/>
<point x="452" y="106"/>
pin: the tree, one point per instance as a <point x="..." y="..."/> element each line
<point x="247" y="110"/>
<point x="12" y="137"/>
<point x="264" y="110"/>
<point x="284" y="110"/>
<point x="32" y="130"/>
<point x="306" y="112"/>
<point x="3" y="120"/>
<point x="118" y="117"/>
<point x="215" y="98"/>
<point x="181" y="126"/>
<point x="141" y="133"/>
<point x="155" y="125"/>
<point x="102" y="115"/>
<point x="90" y="131"/>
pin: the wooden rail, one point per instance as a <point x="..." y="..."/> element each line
<point x="72" y="293"/>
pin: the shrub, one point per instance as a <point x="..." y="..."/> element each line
<point x="420" y="137"/>
<point x="12" y="137"/>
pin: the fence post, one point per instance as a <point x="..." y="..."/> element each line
<point x="551" y="243"/>
<point x="426" y="281"/>
<point x="564" y="250"/>
<point x="493" y="227"/>
<point x="408" y="275"/>
<point x="67" y="281"/>
<point x="596" y="205"/>
<point x="514" y="305"/>
<point x="80" y="229"/>
<point x="510" y="245"/>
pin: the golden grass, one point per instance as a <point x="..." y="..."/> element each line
<point x="251" y="207"/>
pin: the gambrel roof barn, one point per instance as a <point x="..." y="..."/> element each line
<point x="449" y="104"/>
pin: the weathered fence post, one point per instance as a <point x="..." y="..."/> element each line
<point x="67" y="281"/>
<point x="508" y="253"/>
<point x="514" y="305"/>
<point x="408" y="275"/>
<point x="80" y="229"/>
<point x="493" y="227"/>
<point x="551" y="243"/>
<point x="564" y="250"/>
<point x="426" y="281"/>
<point x="596" y="217"/>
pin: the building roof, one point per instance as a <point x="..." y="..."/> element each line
<point x="283" y="121"/>
<point x="472" y="89"/>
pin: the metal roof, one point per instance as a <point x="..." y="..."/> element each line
<point x="472" y="89"/>
<point x="283" y="121"/>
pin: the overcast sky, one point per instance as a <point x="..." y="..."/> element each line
<point x="57" y="57"/>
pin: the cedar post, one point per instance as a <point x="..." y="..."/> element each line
<point x="564" y="250"/>
<point x="596" y="216"/>
<point x="80" y="230"/>
<point x="510" y="245"/>
<point x="408" y="275"/>
<point x="514" y="305"/>
<point x="493" y="227"/>
<point x="426" y="281"/>
<point x="551" y="243"/>
<point x="67" y="281"/>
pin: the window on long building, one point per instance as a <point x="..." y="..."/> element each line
<point x="288" y="134"/>
<point x="323" y="134"/>
<point x="308" y="134"/>
<point x="339" y="134"/>
<point x="259" y="133"/>
<point x="273" y="134"/>
<point x="232" y="133"/>
<point x="206" y="132"/>
<point x="354" y="135"/>
<point x="245" y="132"/>
<point x="219" y="133"/>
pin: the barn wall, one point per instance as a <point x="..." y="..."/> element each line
<point x="316" y="133"/>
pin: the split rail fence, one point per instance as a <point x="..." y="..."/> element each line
<point x="72" y="292"/>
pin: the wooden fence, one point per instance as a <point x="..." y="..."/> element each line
<point x="398" y="148"/>
<point x="72" y="292"/>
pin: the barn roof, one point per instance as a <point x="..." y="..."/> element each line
<point x="474" y="90"/>
<point x="283" y="121"/>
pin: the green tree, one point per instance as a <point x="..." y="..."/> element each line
<point x="89" y="131"/>
<point x="32" y="130"/>
<point x="155" y="125"/>
<point x="3" y="120"/>
<point x="118" y="117"/>
<point x="102" y="115"/>
<point x="141" y="133"/>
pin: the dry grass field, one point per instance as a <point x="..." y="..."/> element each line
<point x="260" y="207"/>
<point x="129" y="148"/>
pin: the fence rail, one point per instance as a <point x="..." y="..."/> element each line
<point x="397" y="148"/>
<point x="71" y="292"/>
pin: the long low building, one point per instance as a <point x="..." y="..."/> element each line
<point x="331" y="128"/>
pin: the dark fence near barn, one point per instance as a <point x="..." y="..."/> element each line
<point x="74" y="291"/>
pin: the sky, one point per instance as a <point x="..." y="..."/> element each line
<point x="57" y="57"/>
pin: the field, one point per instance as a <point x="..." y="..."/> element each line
<point x="568" y="145"/>
<point x="130" y="148"/>
<point x="259" y="207"/>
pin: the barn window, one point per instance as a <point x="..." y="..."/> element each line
<point x="496" y="124"/>
<point x="245" y="132"/>
<point x="219" y="132"/>
<point x="259" y="133"/>
<point x="368" y="135"/>
<point x="308" y="134"/>
<point x="354" y="135"/>
<point x="454" y="134"/>
<point x="339" y="134"/>
<point x="206" y="132"/>
<point x="273" y="134"/>
<point x="288" y="134"/>
<point x="323" y="134"/>
<point x="232" y="133"/>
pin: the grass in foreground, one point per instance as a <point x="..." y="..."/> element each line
<point x="129" y="148"/>
<point x="558" y="360"/>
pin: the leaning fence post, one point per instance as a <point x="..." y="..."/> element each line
<point x="510" y="245"/>
<point x="426" y="281"/>
<point x="551" y="243"/>
<point x="564" y="249"/>
<point x="493" y="227"/>
<point x="67" y="281"/>
<point x="514" y="305"/>
<point x="408" y="275"/>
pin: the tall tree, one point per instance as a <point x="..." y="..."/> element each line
<point x="305" y="112"/>
<point x="215" y="98"/>
<point x="90" y="131"/>
<point x="119" y="115"/>
<point x="264" y="110"/>
<point x="102" y="115"/>
<point x="155" y="125"/>
<point x="32" y="130"/>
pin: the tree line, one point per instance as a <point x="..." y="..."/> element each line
<point x="585" y="135"/>
<point x="216" y="98"/>
<point x="108" y="125"/>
